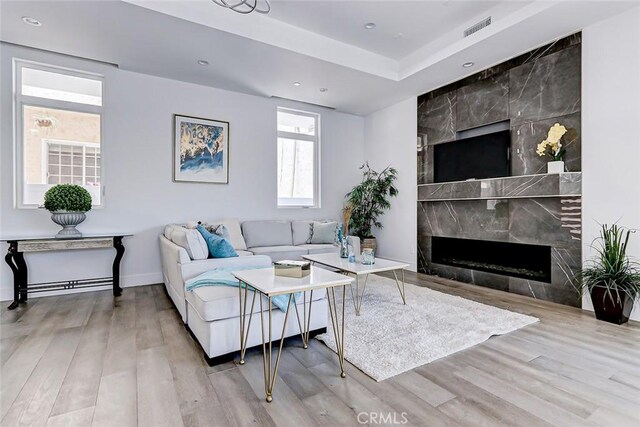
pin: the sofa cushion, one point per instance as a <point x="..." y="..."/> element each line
<point x="244" y="253"/>
<point x="222" y="302"/>
<point x="323" y="232"/>
<point x="319" y="248"/>
<point x="232" y="227"/>
<point x="191" y="240"/>
<point x="267" y="233"/>
<point x="301" y="231"/>
<point x="218" y="246"/>
<point x="278" y="253"/>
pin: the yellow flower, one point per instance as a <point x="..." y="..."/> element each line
<point x="542" y="147"/>
<point x="553" y="140"/>
<point x="555" y="133"/>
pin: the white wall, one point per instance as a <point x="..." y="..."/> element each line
<point x="390" y="139"/>
<point x="611" y="129"/>
<point x="137" y="153"/>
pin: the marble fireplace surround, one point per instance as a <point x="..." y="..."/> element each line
<point x="552" y="218"/>
<point x="529" y="94"/>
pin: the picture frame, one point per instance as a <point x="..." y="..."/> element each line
<point x="200" y="150"/>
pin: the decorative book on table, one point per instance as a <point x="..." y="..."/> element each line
<point x="289" y="268"/>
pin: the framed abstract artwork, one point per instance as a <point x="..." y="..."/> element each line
<point x="201" y="150"/>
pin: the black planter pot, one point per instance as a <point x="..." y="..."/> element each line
<point x="611" y="311"/>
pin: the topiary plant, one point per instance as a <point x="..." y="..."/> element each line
<point x="67" y="197"/>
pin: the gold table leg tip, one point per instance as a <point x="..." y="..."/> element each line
<point x="269" y="398"/>
<point x="242" y="362"/>
<point x="305" y="346"/>
<point x="343" y="374"/>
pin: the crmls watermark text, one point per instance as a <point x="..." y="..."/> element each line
<point x="382" y="418"/>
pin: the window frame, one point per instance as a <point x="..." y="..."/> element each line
<point x="20" y="101"/>
<point x="316" y="139"/>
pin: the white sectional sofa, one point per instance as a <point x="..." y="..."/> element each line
<point x="211" y="313"/>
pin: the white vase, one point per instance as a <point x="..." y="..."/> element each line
<point x="555" y="167"/>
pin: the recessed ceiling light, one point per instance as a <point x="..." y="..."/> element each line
<point x="31" y="21"/>
<point x="467" y="64"/>
<point x="296" y="83"/>
<point x="203" y="62"/>
<point x="323" y="89"/>
<point x="370" y="25"/>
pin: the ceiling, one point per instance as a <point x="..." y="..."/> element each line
<point x="319" y="44"/>
<point x="401" y="26"/>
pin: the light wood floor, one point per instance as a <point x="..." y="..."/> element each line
<point x="89" y="360"/>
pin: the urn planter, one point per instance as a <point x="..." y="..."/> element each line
<point x="68" y="221"/>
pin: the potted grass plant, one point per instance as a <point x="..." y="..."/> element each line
<point x="368" y="200"/>
<point x="611" y="277"/>
<point x="67" y="204"/>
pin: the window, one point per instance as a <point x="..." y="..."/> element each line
<point x="58" y="113"/>
<point x="298" y="159"/>
<point x="72" y="162"/>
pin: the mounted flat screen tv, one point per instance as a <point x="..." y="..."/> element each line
<point x="483" y="156"/>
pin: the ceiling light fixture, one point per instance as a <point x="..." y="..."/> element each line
<point x="467" y="64"/>
<point x="296" y="83"/>
<point x="31" y="21"/>
<point x="203" y="62"/>
<point x="323" y="89"/>
<point x="245" y="6"/>
<point x="370" y="25"/>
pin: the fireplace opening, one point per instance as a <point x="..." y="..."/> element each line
<point x="509" y="259"/>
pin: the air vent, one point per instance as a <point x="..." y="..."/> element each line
<point x="477" y="27"/>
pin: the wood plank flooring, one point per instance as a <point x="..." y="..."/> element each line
<point x="87" y="359"/>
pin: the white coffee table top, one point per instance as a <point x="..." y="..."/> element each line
<point x="334" y="260"/>
<point x="265" y="281"/>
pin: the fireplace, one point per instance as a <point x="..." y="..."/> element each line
<point x="510" y="259"/>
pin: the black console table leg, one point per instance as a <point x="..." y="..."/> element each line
<point x="15" y="260"/>
<point x="119" y="247"/>
<point x="24" y="274"/>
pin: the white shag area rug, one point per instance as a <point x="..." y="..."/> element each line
<point x="389" y="338"/>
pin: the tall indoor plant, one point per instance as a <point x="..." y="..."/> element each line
<point x="611" y="278"/>
<point x="67" y="204"/>
<point x="368" y="200"/>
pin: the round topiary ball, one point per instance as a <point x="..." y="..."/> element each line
<point x="67" y="197"/>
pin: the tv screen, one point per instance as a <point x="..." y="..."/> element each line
<point x="483" y="156"/>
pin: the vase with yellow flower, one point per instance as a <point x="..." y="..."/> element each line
<point x="552" y="147"/>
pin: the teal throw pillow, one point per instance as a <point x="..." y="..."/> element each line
<point x="218" y="246"/>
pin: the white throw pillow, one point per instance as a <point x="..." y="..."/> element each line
<point x="191" y="240"/>
<point x="235" y="233"/>
<point x="323" y="232"/>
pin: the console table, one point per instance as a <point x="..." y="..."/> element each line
<point x="20" y="246"/>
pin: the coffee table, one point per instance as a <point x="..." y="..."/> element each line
<point x="358" y="269"/>
<point x="264" y="282"/>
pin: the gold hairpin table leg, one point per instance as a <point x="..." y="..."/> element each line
<point x="306" y="320"/>
<point x="359" y="295"/>
<point x="244" y="332"/>
<point x="338" y="328"/>
<point x="400" y="286"/>
<point x="270" y="375"/>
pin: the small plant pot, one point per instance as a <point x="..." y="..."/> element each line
<point x="68" y="221"/>
<point x="609" y="310"/>
<point x="555" y="167"/>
